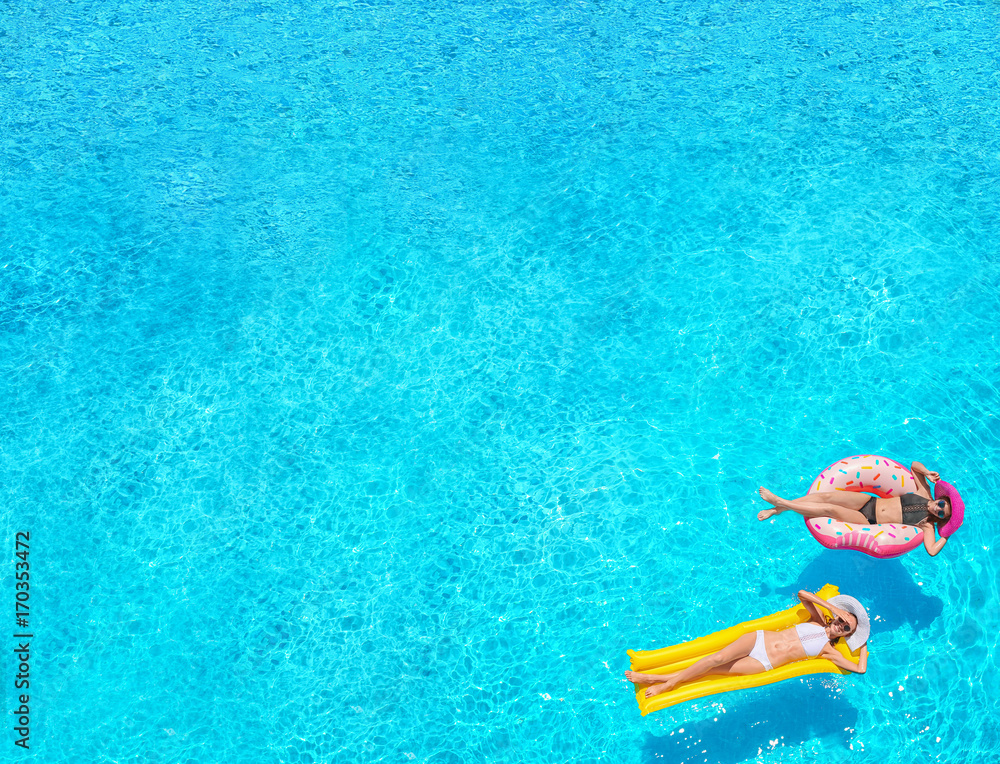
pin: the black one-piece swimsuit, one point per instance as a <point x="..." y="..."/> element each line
<point x="914" y="508"/>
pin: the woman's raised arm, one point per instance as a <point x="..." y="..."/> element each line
<point x="921" y="473"/>
<point x="810" y="601"/>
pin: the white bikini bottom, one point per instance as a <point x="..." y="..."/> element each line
<point x="759" y="652"/>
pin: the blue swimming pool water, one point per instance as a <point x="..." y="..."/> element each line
<point x="374" y="374"/>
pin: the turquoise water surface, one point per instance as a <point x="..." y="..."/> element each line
<point x="374" y="374"/>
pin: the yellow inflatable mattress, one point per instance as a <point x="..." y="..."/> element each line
<point x="669" y="659"/>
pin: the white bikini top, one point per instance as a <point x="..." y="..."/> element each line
<point x="813" y="638"/>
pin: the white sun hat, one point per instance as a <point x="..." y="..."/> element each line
<point x="855" y="608"/>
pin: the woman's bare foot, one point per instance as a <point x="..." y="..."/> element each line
<point x="769" y="496"/>
<point x="766" y="513"/>
<point x="636" y="678"/>
<point x="656" y="689"/>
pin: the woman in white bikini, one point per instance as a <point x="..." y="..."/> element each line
<point x="764" y="650"/>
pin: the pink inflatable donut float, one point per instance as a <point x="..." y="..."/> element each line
<point x="870" y="474"/>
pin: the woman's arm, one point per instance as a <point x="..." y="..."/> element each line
<point x="810" y="601"/>
<point x="809" y="597"/>
<point x="930" y="544"/>
<point x="921" y="473"/>
<point x="833" y="654"/>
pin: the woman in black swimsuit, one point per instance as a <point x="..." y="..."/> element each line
<point x="918" y="508"/>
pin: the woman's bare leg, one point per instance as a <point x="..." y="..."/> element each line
<point x="738" y="667"/>
<point x="636" y="678"/>
<point x="842" y="505"/>
<point x="721" y="662"/>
